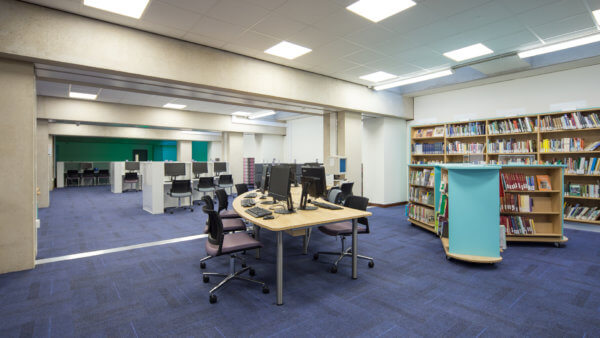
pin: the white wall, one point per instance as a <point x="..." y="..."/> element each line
<point x="264" y="147"/>
<point x="215" y="150"/>
<point x="304" y="140"/>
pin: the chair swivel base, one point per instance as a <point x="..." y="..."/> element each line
<point x="341" y="255"/>
<point x="171" y="209"/>
<point x="233" y="275"/>
<point x="203" y="260"/>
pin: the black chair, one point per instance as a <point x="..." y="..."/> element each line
<point x="224" y="204"/>
<point x="346" y="189"/>
<point x="103" y="174"/>
<point x="344" y="229"/>
<point x="219" y="243"/>
<point x="241" y="188"/>
<point x="206" y="184"/>
<point x="88" y="174"/>
<point x="73" y="175"/>
<point x="181" y="189"/>
<point x="226" y="182"/>
<point x="229" y="225"/>
<point x="132" y="179"/>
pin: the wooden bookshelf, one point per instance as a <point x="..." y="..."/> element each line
<point x="520" y="128"/>
<point x="419" y="177"/>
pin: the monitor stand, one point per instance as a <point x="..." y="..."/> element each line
<point x="304" y="197"/>
<point x="267" y="202"/>
<point x="289" y="209"/>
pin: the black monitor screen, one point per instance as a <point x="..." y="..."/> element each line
<point x="132" y="165"/>
<point x="279" y="183"/>
<point x="318" y="186"/>
<point x="86" y="165"/>
<point x="174" y="169"/>
<point x="200" y="167"/>
<point x="264" y="179"/>
<point x="220" y="167"/>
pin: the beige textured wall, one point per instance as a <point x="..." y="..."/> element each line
<point x="235" y="155"/>
<point x="17" y="168"/>
<point x="184" y="151"/>
<point x="350" y="138"/>
<point x="43" y="164"/>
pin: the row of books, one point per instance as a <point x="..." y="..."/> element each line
<point x="465" y="148"/>
<point x="579" y="166"/>
<point x="516" y="203"/>
<point x="423" y="177"/>
<point x="421" y="195"/>
<point x="516" y="181"/>
<point x="523" y="159"/>
<point x="562" y="145"/>
<point x="424" y="161"/>
<point x="420" y="213"/>
<point x="429" y="132"/>
<point x="520" y="125"/>
<point x="582" y="212"/>
<point x="470" y="129"/>
<point x="570" y="121"/>
<point x="511" y="146"/>
<point x="518" y="225"/>
<point x="582" y="190"/>
<point x="428" y="148"/>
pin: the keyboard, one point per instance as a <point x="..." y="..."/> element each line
<point x="248" y="202"/>
<point x="327" y="205"/>
<point x="250" y="195"/>
<point x="258" y="212"/>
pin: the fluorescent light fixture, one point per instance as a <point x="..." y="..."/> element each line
<point x="468" y="52"/>
<point x="174" y="106"/>
<point x="85" y="96"/>
<point x="377" y="10"/>
<point x="596" y="14"/>
<point x="130" y="8"/>
<point x="421" y="78"/>
<point x="260" y="114"/>
<point x="560" y="46"/>
<point x="378" y="76"/>
<point x="241" y="113"/>
<point x="287" y="50"/>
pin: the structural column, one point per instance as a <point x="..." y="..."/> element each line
<point x="17" y="168"/>
<point x="184" y="151"/>
<point x="234" y="149"/>
<point x="43" y="163"/>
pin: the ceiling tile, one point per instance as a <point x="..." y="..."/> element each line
<point x="198" y="6"/>
<point x="553" y="12"/>
<point x="393" y="66"/>
<point x="72" y="6"/>
<point x="204" y="40"/>
<point x="308" y="11"/>
<point x="254" y="40"/>
<point x="342" y="22"/>
<point x="217" y="29"/>
<point x="330" y="51"/>
<point x="170" y="16"/>
<point x="311" y="37"/>
<point x="238" y="12"/>
<point x="364" y="56"/>
<point x="566" y="26"/>
<point x="512" y="42"/>
<point x="411" y="19"/>
<point x="160" y="29"/>
<point x="594" y="4"/>
<point x="279" y="26"/>
<point x="449" y="8"/>
<point x="520" y="6"/>
<point x="268" y="4"/>
<point x="336" y="66"/>
<point x="370" y="36"/>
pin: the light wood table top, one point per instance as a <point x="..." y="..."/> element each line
<point x="299" y="219"/>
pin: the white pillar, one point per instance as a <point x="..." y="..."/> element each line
<point x="43" y="164"/>
<point x="184" y="151"/>
<point x="235" y="154"/>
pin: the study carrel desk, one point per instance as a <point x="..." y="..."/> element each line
<point x="301" y="219"/>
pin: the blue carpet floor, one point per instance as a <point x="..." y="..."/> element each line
<point x="537" y="290"/>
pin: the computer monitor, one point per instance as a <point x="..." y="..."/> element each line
<point x="312" y="164"/>
<point x="132" y="165"/>
<point x="264" y="179"/>
<point x="86" y="165"/>
<point x="220" y="167"/>
<point x="279" y="187"/>
<point x="313" y="184"/>
<point x="199" y="168"/>
<point x="174" y="169"/>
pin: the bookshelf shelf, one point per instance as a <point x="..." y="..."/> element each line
<point x="463" y="154"/>
<point x="581" y="220"/>
<point x="421" y="203"/>
<point x="530" y="213"/>
<point x="466" y="136"/>
<point x="428" y="138"/>
<point x="515" y="154"/>
<point x="423" y="225"/>
<point x="533" y="191"/>
<point x="421" y="186"/>
<point x="583" y="198"/>
<point x="569" y="152"/>
<point x="513" y="134"/>
<point x="567" y="130"/>
<point x="581" y="175"/>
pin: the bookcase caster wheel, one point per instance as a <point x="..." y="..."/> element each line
<point x="191" y="210"/>
<point x="202" y="265"/>
<point x="448" y="258"/>
<point x="371" y="264"/>
<point x="205" y="279"/>
<point x="333" y="269"/>
<point x="558" y="244"/>
<point x="212" y="299"/>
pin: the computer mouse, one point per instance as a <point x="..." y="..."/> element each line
<point x="269" y="217"/>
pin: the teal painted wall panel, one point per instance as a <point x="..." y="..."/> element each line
<point x="70" y="148"/>
<point x="200" y="151"/>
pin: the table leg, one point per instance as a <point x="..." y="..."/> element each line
<point x="354" y="248"/>
<point x="256" y="237"/>
<point x="306" y="240"/>
<point x="279" y="268"/>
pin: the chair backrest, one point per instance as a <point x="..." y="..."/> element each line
<point x="72" y="173"/>
<point x="222" y="199"/>
<point x="215" y="227"/>
<point x="205" y="182"/>
<point x="241" y="188"/>
<point x="181" y="186"/>
<point x="225" y="179"/>
<point x="88" y="172"/>
<point x="131" y="176"/>
<point x="358" y="203"/>
<point x="104" y="173"/>
<point x="335" y="196"/>
<point x="347" y="188"/>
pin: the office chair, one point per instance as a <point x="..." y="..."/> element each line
<point x="219" y="243"/>
<point x="88" y="174"/>
<point x="344" y="229"/>
<point x="225" y="182"/>
<point x="229" y="225"/>
<point x="131" y="178"/>
<point x="73" y="175"/>
<point x="103" y="174"/>
<point x="241" y="188"/>
<point x="346" y="189"/>
<point x="335" y="196"/>
<point x="206" y="184"/>
<point x="181" y="189"/>
<point x="224" y="204"/>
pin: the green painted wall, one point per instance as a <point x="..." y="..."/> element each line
<point x="200" y="151"/>
<point x="72" y="148"/>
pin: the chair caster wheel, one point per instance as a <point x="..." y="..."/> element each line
<point x="191" y="210"/>
<point x="316" y="256"/>
<point x="371" y="264"/>
<point x="265" y="289"/>
<point x="212" y="299"/>
<point x="244" y="265"/>
<point x="171" y="212"/>
<point x="202" y="265"/>
<point x="252" y="272"/>
<point x="205" y="279"/>
<point x="333" y="269"/>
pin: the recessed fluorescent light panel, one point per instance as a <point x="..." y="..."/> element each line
<point x="377" y="10"/>
<point x="596" y="14"/>
<point x="287" y="50"/>
<point x="174" y="106"/>
<point x="260" y="114"/>
<point x="414" y="80"/>
<point x="130" y="8"/>
<point x="85" y="96"/>
<point x="469" y="52"/>
<point x="560" y="46"/>
<point x="378" y="76"/>
<point x="241" y="113"/>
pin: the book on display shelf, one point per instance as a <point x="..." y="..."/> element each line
<point x="574" y="121"/>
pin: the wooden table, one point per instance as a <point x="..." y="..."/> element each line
<point x="301" y="219"/>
